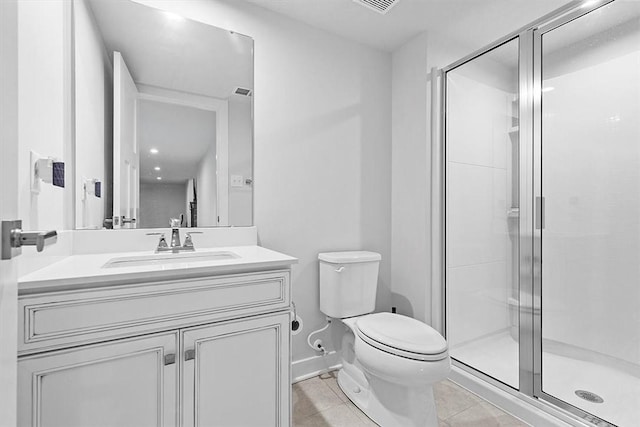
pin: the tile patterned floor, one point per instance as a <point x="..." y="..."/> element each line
<point x="319" y="402"/>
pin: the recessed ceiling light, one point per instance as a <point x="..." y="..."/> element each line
<point x="157" y="168"/>
<point x="153" y="151"/>
<point x="159" y="178"/>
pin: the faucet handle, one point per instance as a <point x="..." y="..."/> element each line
<point x="175" y="222"/>
<point x="163" y="242"/>
<point x="188" y="241"/>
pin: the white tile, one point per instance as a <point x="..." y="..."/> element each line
<point x="361" y="415"/>
<point x="477" y="298"/>
<point x="330" y="379"/>
<point x="478" y="122"/>
<point x="312" y="396"/>
<point x="451" y="399"/>
<point x="337" y="416"/>
<point x="476" y="215"/>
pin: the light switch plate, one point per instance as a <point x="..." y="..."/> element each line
<point x="237" y="181"/>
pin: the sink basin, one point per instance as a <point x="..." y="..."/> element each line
<point x="169" y="259"/>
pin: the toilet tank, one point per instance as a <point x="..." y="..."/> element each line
<point x="348" y="283"/>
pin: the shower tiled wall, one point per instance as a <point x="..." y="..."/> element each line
<point x="478" y="197"/>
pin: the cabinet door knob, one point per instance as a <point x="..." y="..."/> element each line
<point x="169" y="359"/>
<point x="189" y="355"/>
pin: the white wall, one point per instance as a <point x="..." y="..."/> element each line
<point x="322" y="144"/>
<point x="41" y="109"/>
<point x="94" y="115"/>
<point x="240" y="160"/>
<point x="410" y="180"/>
<point x="160" y="202"/>
<point x="411" y="171"/>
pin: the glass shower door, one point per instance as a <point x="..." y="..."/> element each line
<point x="589" y="281"/>
<point x="482" y="213"/>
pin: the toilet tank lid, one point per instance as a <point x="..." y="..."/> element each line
<point x="349" y="257"/>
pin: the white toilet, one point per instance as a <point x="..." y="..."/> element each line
<point x="389" y="361"/>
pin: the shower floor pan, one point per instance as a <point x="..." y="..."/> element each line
<point x="562" y="376"/>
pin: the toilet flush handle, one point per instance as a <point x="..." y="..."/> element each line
<point x="339" y="270"/>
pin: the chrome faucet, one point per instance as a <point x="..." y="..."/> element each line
<point x="175" y="232"/>
<point x="175" y="245"/>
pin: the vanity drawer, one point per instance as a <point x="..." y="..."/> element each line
<point x="61" y="319"/>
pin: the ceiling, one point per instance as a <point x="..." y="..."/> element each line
<point x="181" y="134"/>
<point x="166" y="50"/>
<point x="471" y="23"/>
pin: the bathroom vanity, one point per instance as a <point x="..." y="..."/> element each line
<point x="150" y="340"/>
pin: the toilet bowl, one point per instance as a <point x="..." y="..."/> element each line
<point x="389" y="367"/>
<point x="401" y="349"/>
<point x="389" y="361"/>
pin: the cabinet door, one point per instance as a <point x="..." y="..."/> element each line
<point x="128" y="382"/>
<point x="237" y="373"/>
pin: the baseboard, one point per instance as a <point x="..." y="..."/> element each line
<point x="529" y="410"/>
<point x="313" y="366"/>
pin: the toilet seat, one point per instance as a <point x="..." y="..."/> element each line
<point x="402" y="336"/>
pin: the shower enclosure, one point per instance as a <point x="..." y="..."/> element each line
<point x="542" y="211"/>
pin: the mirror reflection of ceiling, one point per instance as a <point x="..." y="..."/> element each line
<point x="180" y="134"/>
<point x="154" y="46"/>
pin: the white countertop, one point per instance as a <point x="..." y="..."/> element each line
<point x="86" y="271"/>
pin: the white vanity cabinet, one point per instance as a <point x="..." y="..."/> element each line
<point x="237" y="373"/>
<point x="115" y="383"/>
<point x="212" y="351"/>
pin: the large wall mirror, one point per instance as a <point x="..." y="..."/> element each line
<point x="164" y="119"/>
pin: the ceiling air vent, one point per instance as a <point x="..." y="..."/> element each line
<point x="242" y="91"/>
<point x="380" y="6"/>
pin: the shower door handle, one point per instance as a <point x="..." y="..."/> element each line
<point x="539" y="213"/>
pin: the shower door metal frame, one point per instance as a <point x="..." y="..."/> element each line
<point x="524" y="60"/>
<point x="531" y="218"/>
<point x="539" y="195"/>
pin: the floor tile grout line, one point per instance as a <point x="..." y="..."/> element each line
<point x="308" y="396"/>
<point x="460" y="411"/>
<point x="334" y="391"/>
<point x="463" y="411"/>
<point x="348" y="403"/>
